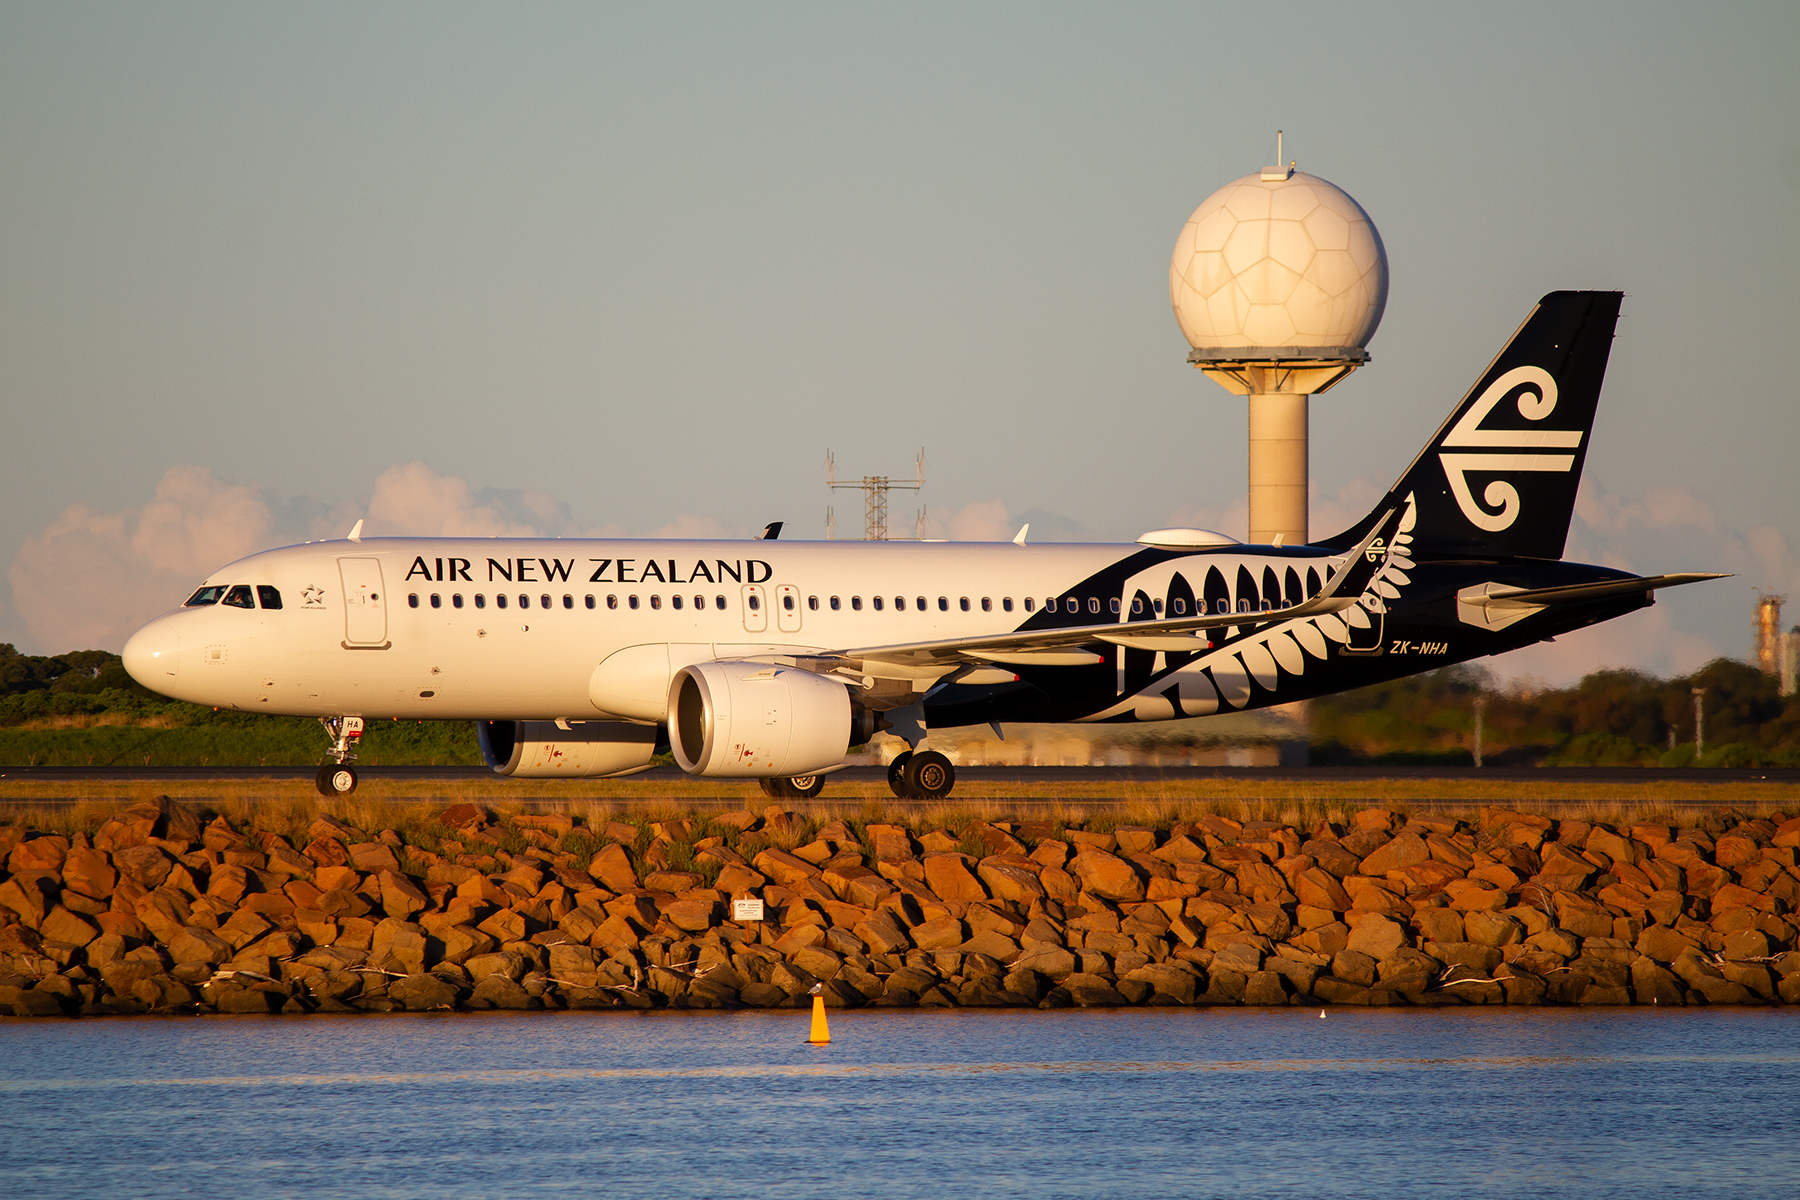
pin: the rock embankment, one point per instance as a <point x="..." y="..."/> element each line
<point x="162" y="910"/>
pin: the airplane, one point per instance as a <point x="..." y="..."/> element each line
<point x="770" y="659"/>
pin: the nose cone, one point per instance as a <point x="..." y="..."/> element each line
<point x="152" y="656"/>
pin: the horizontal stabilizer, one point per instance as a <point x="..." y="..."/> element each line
<point x="1588" y="593"/>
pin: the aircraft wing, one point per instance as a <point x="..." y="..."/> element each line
<point x="1586" y="593"/>
<point x="1062" y="646"/>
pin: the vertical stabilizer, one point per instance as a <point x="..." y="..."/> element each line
<point x="1499" y="479"/>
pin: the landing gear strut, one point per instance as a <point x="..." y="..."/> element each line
<point x="338" y="777"/>
<point x="925" y="775"/>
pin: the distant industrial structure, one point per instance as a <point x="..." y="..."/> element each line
<point x="1777" y="651"/>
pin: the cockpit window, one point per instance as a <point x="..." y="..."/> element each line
<point x="206" y="595"/>
<point x="239" y="596"/>
<point x="270" y="596"/>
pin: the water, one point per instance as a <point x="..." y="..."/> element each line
<point x="1168" y="1102"/>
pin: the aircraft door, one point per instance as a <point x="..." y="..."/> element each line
<point x="756" y="608"/>
<point x="787" y="608"/>
<point x="365" y="604"/>
<point x="1367" y="621"/>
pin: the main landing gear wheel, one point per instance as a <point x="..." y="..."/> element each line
<point x="926" y="775"/>
<point x="336" y="779"/>
<point x="929" y="775"/>
<point x="793" y="787"/>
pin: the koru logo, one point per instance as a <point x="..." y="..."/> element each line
<point x="1535" y="403"/>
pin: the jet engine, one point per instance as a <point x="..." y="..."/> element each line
<point x="582" y="749"/>
<point x="747" y="719"/>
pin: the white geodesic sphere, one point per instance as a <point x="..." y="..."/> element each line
<point x="1282" y="262"/>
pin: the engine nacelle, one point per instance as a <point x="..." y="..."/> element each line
<point x="543" y="750"/>
<point x="746" y="720"/>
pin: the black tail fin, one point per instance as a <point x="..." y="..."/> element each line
<point x="1499" y="479"/>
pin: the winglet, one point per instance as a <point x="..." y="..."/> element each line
<point x="1023" y="530"/>
<point x="1352" y="579"/>
<point x="355" y="533"/>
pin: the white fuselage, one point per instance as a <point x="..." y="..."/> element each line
<point x="517" y="628"/>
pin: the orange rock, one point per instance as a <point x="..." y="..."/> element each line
<point x="948" y="874"/>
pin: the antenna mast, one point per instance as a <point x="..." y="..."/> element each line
<point x="875" y="489"/>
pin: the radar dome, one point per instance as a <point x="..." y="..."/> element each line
<point x="1282" y="260"/>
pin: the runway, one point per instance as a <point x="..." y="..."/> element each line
<point x="1035" y="777"/>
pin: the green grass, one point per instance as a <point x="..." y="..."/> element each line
<point x="240" y="740"/>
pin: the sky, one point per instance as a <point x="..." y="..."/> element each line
<point x="572" y="269"/>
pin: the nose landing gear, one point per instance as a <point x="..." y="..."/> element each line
<point x="336" y="780"/>
<point x="338" y="777"/>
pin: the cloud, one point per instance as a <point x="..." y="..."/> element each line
<point x="90" y="578"/>
<point x="412" y="500"/>
<point x="1326" y="515"/>
<point x="976" y="521"/>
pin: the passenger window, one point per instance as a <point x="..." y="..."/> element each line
<point x="524" y="601"/>
<point x="543" y="602"/>
<point x="755" y="602"/>
<point x="568" y="601"/>
<point x="812" y="603"/>
<point x="1072" y="604"/>
<point x="1268" y="605"/>
<point x="270" y="597"/>
<point x="631" y="602"/>
<point x="943" y="604"/>
<point x="922" y="604"/>
<point x="239" y="597"/>
<point x="856" y="603"/>
<point x="205" y="596"/>
<point x="1243" y="605"/>
<point x="1178" y="605"/>
<point x="1029" y="604"/>
<point x="480" y="600"/>
<point x="1157" y="605"/>
<point x="1006" y="604"/>
<point x="590" y="602"/>
<point x="787" y="602"/>
<point x="412" y="600"/>
<point x="719" y="603"/>
<point x="899" y="604"/>
<point x="987" y="604"/>
<point x="1093" y="604"/>
<point x="1137" y="605"/>
<point x="1115" y="605"/>
<point x="876" y="601"/>
<point x="500" y="601"/>
<point x="437" y="601"/>
<point x="699" y="601"/>
<point x="675" y="601"/>
<point x="456" y="600"/>
<point x="656" y="602"/>
<point x="836" y="605"/>
<point x="612" y="602"/>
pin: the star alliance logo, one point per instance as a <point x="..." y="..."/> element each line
<point x="312" y="597"/>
